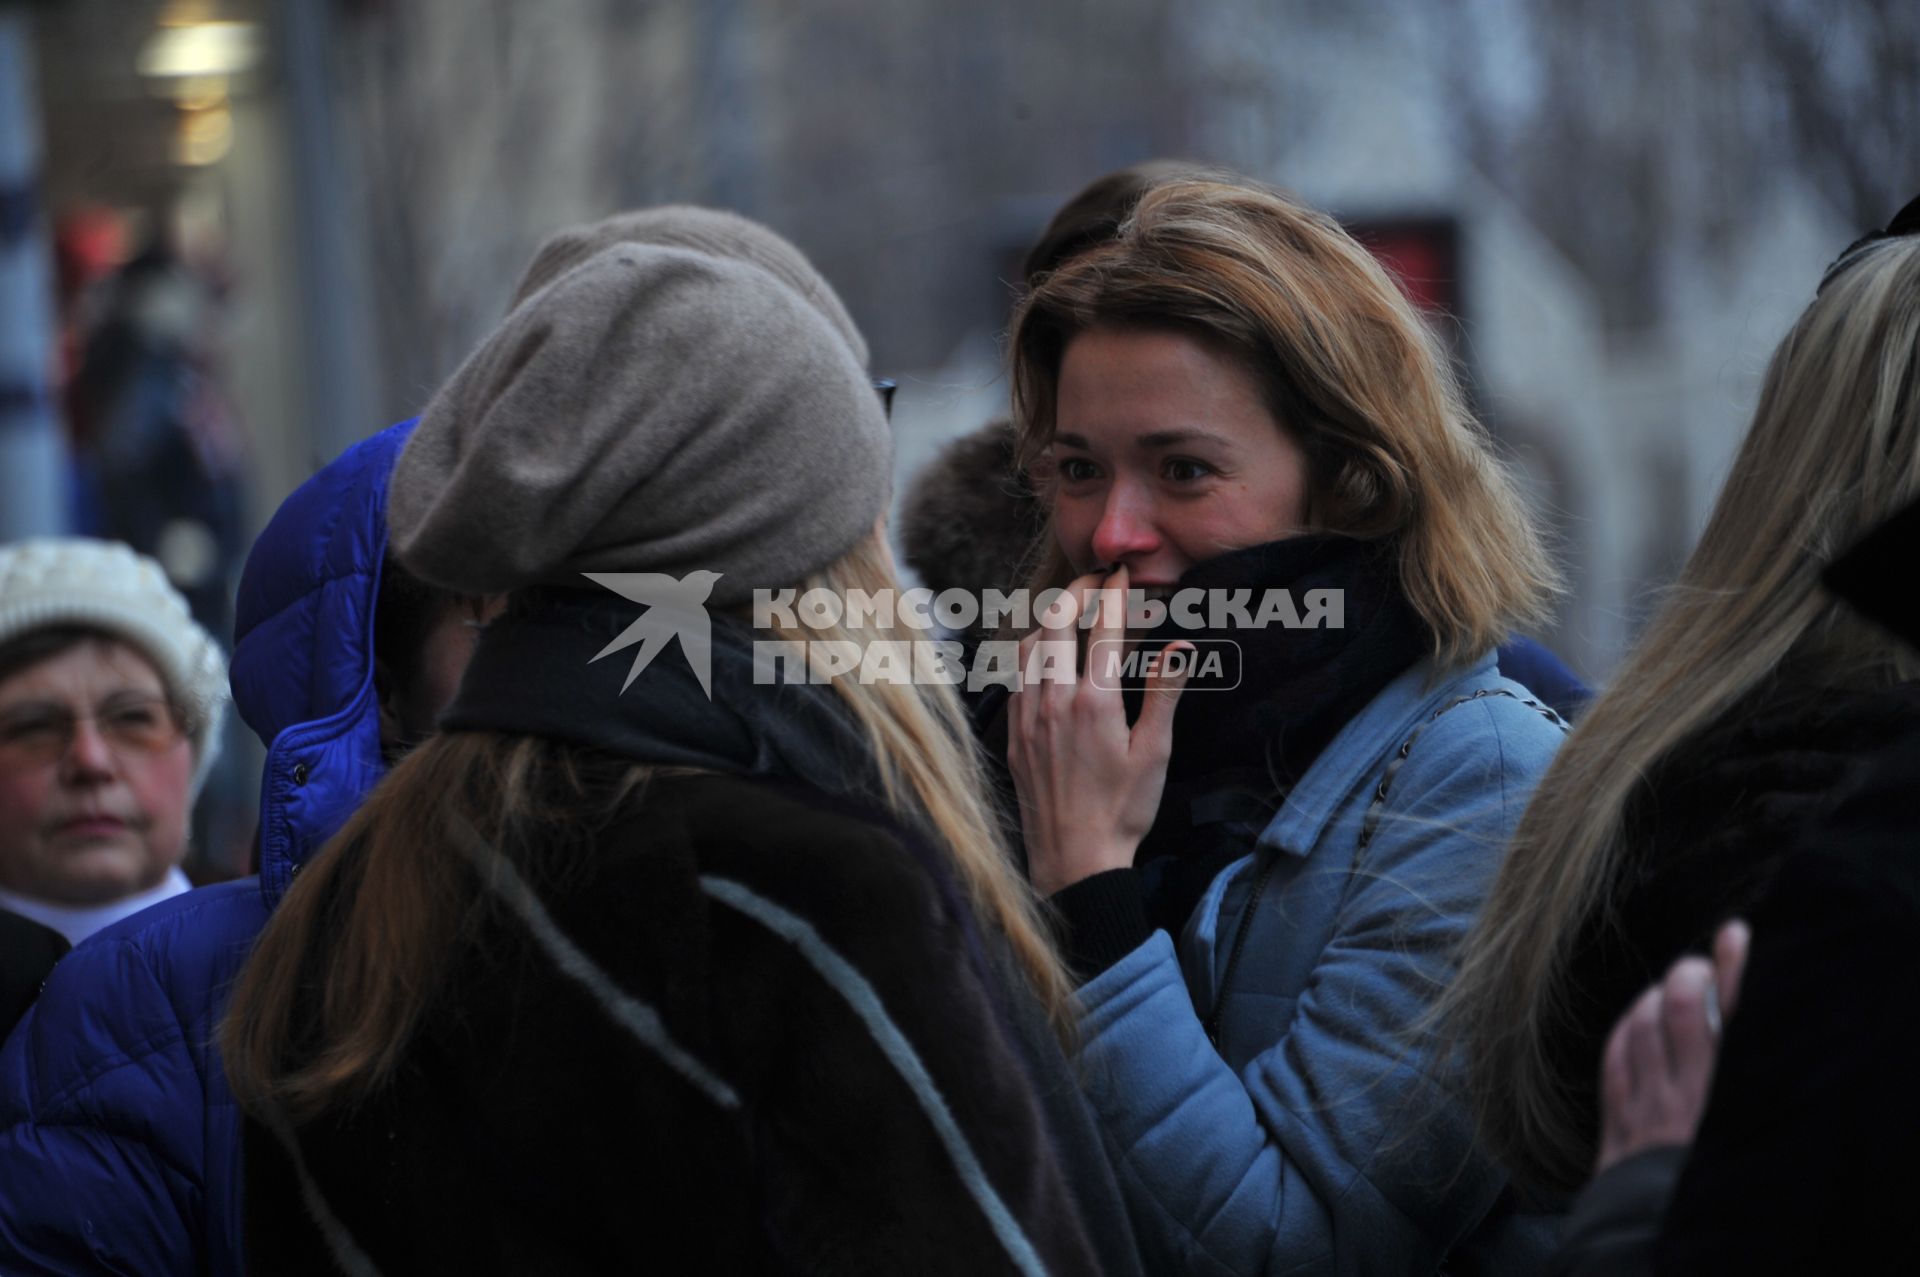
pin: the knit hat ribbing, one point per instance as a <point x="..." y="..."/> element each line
<point x="104" y="585"/>
<point x="651" y="409"/>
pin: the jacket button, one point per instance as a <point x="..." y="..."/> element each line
<point x="299" y="773"/>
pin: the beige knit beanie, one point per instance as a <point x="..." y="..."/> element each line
<point x="104" y="585"/>
<point x="648" y="409"/>
<point x="712" y="231"/>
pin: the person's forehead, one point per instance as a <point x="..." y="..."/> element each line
<point x="88" y="669"/>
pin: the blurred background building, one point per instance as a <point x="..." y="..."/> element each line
<point x="314" y="208"/>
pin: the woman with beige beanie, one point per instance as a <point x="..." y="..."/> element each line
<point x="651" y="960"/>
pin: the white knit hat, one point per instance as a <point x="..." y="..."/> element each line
<point x="104" y="585"/>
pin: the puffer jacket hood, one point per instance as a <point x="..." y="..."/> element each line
<point x="303" y="654"/>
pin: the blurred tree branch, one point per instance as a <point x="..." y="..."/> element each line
<point x="1652" y="126"/>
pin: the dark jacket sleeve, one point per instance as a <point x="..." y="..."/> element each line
<point x="1615" y="1220"/>
<point x="1105" y="919"/>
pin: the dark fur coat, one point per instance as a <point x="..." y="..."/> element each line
<point x="792" y="957"/>
<point x="970" y="517"/>
<point x="1707" y="837"/>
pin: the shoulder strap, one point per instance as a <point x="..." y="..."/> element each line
<point x="1377" y="807"/>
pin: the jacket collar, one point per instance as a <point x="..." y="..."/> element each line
<point x="538" y="671"/>
<point x="1361" y="749"/>
<point x="302" y="667"/>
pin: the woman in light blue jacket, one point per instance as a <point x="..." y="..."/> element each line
<point x="1273" y="512"/>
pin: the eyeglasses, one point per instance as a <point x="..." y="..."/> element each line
<point x="1905" y="222"/>
<point x="38" y="734"/>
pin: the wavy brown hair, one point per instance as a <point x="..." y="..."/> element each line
<point x="1834" y="449"/>
<point x="362" y="944"/>
<point x="1347" y="366"/>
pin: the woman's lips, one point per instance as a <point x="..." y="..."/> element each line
<point x="91" y="827"/>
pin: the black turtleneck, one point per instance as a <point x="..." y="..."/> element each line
<point x="1236" y="753"/>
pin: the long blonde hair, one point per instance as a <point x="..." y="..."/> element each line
<point x="369" y="929"/>
<point x="1348" y="368"/>
<point x="1833" y="450"/>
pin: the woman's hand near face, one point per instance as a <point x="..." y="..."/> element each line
<point x="1659" y="1062"/>
<point x="1088" y="784"/>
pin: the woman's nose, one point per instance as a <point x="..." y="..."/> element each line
<point x="1126" y="528"/>
<point x="88" y="755"/>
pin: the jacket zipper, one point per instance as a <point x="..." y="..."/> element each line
<point x="1212" y="1023"/>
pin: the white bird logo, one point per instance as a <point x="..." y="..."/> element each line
<point x="675" y="606"/>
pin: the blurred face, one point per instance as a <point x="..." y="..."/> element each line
<point x="1165" y="455"/>
<point x="410" y="711"/>
<point x="93" y="777"/>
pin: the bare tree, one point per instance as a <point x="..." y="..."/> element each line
<point x="1634" y="130"/>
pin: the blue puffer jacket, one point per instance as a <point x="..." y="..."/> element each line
<point x="1534" y="666"/>
<point x="1312" y="1138"/>
<point x="119" y="1140"/>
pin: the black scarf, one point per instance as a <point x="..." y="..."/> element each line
<point x="533" y="674"/>
<point x="1235" y="753"/>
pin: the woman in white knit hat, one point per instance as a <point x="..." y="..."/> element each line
<point x="111" y="698"/>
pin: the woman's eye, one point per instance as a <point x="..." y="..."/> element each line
<point x="28" y="730"/>
<point x="1077" y="469"/>
<point x="1183" y="470"/>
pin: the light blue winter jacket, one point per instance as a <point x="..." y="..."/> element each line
<point x="1314" y="1139"/>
